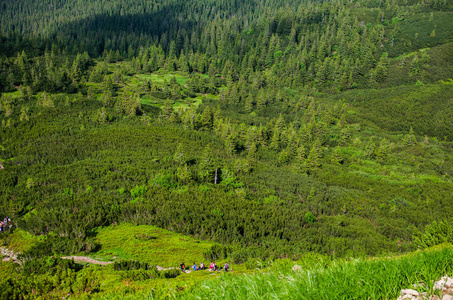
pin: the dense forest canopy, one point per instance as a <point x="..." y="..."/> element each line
<point x="275" y="128"/>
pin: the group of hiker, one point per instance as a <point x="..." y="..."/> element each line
<point x="5" y="224"/>
<point x="212" y="267"/>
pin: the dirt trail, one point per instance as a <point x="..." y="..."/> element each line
<point x="87" y="259"/>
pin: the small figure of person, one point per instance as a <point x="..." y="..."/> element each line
<point x="227" y="266"/>
<point x="183" y="266"/>
<point x="201" y="266"/>
<point x="194" y="267"/>
<point x="211" y="266"/>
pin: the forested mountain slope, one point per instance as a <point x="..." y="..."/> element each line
<point x="275" y="128"/>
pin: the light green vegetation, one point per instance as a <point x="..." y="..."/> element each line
<point x="149" y="243"/>
<point x="20" y="240"/>
<point x="180" y="104"/>
<point x="160" y="78"/>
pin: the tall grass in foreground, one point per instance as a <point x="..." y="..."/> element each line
<point x="360" y="279"/>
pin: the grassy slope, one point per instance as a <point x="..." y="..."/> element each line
<point x="149" y="243"/>
<point x="357" y="279"/>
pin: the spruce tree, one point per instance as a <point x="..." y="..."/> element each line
<point x="178" y="157"/>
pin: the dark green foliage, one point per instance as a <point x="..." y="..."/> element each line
<point x="47" y="264"/>
<point x="139" y="271"/>
<point x="47" y="277"/>
<point x="127" y="265"/>
<point x="434" y="234"/>
<point x="217" y="252"/>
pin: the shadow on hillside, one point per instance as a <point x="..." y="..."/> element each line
<point x="114" y="32"/>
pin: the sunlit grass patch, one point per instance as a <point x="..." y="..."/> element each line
<point x="160" y="78"/>
<point x="150" y="244"/>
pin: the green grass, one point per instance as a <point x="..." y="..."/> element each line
<point x="160" y="78"/>
<point x="19" y="240"/>
<point x="14" y="94"/>
<point x="150" y="244"/>
<point x="358" y="279"/>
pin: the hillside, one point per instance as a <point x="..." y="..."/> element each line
<point x="241" y="131"/>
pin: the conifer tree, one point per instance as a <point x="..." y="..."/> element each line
<point x="178" y="157"/>
<point x="337" y="157"/>
<point x="300" y="164"/>
<point x="409" y="139"/>
<point x="275" y="140"/>
<point x="313" y="160"/>
<point x="383" y="150"/>
<point x="251" y="154"/>
<point x="183" y="174"/>
<point x="206" y="165"/>
<point x="23" y="114"/>
<point x="249" y="103"/>
<point x="206" y="118"/>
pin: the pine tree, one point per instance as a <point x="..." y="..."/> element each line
<point x="167" y="110"/>
<point x="206" y="166"/>
<point x="275" y="140"/>
<point x="383" y="150"/>
<point x="279" y="123"/>
<point x="206" y="118"/>
<point x="409" y="139"/>
<point x="300" y="164"/>
<point x="183" y="64"/>
<point x="313" y="159"/>
<point x="251" y="154"/>
<point x="283" y="157"/>
<point x="183" y="174"/>
<point x="337" y="157"/>
<point x="370" y="149"/>
<point x="23" y="114"/>
<point x="249" y="101"/>
<point x="262" y="101"/>
<point x="178" y="157"/>
<point x="345" y="135"/>
<point x="230" y="144"/>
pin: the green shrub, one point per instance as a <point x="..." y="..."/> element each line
<point x="434" y="234"/>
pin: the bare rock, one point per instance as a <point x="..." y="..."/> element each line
<point x="410" y="293"/>
<point x="439" y="285"/>
<point x="447" y="297"/>
<point x="449" y="283"/>
<point x="447" y="292"/>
